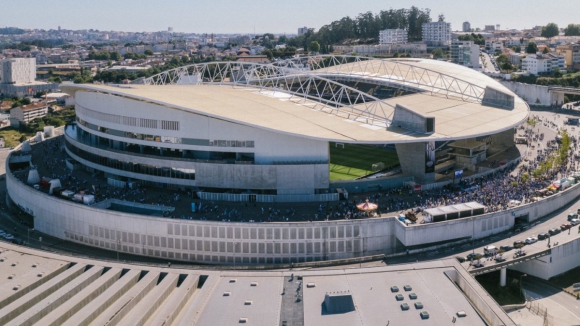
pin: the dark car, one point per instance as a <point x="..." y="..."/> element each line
<point x="565" y="226"/>
<point x="476" y="255"/>
<point x="543" y="236"/>
<point x="554" y="231"/>
<point x="519" y="243"/>
<point x="506" y="248"/>
<point x="17" y="241"/>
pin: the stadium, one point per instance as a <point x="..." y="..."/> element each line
<point x="255" y="133"/>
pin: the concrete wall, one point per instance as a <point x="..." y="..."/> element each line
<point x="533" y="93"/>
<point x="564" y="257"/>
<point x="412" y="159"/>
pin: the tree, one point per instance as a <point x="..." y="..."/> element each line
<point x="546" y="50"/>
<point x="314" y="46"/>
<point x="441" y="18"/>
<point x="115" y="56"/>
<point x="148" y="52"/>
<point x="550" y="30"/>
<point x="572" y="30"/>
<point x="558" y="73"/>
<point x="532" y="48"/>
<point x="437" y="53"/>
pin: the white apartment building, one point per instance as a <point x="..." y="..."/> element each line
<point x="543" y="63"/>
<point x="17" y="70"/>
<point x="437" y="33"/>
<point x="393" y="36"/>
<point x="27" y="113"/>
<point x="495" y="46"/>
<point x="465" y="53"/>
<point x="466" y="27"/>
<point x="302" y="30"/>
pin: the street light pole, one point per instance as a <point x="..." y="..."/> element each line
<point x="118" y="244"/>
<point x="473" y="235"/>
<point x="235" y="245"/>
<point x="521" y="284"/>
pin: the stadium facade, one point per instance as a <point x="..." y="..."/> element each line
<point x="264" y="130"/>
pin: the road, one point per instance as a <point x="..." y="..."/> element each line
<point x="487" y="64"/>
<point x="561" y="306"/>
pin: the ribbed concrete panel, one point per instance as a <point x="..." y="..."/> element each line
<point x="19" y="306"/>
<point x="197" y="303"/>
<point x="28" y="280"/>
<point x="81" y="299"/>
<point x="167" y="313"/>
<point x="127" y="302"/>
<point x="57" y="298"/>
<point x="154" y="299"/>
<point x="87" y="314"/>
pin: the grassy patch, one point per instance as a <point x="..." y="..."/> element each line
<point x="355" y="161"/>
<point x="12" y="137"/>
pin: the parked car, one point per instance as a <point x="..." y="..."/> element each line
<point x="531" y="240"/>
<point x="543" y="236"/>
<point x="461" y="259"/>
<point x="554" y="231"/>
<point x="17" y="241"/>
<point x="574" y="221"/>
<point x="506" y="248"/>
<point x="565" y="226"/>
<point x="8" y="237"/>
<point x="474" y="255"/>
<point x="499" y="258"/>
<point x="572" y="216"/>
<point x="519" y="244"/>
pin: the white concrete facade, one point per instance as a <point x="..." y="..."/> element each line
<point x="393" y="36"/>
<point x="465" y="53"/>
<point x="437" y="33"/>
<point x="17" y="71"/>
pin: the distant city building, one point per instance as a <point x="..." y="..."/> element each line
<point x="17" y="78"/>
<point x="466" y="27"/>
<point x="393" y="36"/>
<point x="415" y="49"/>
<point x="495" y="46"/>
<point x="302" y="30"/>
<point x="27" y="113"/>
<point x="17" y="71"/>
<point x="537" y="64"/>
<point x="465" y="53"/>
<point x="571" y="53"/>
<point x="489" y="28"/>
<point x="170" y="29"/>
<point x="437" y="33"/>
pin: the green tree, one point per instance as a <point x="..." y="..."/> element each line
<point x="314" y="46"/>
<point x="572" y="30"/>
<point x="437" y="53"/>
<point x="550" y="30"/>
<point x="148" y="52"/>
<point x="115" y="56"/>
<point x="441" y="18"/>
<point x="546" y="50"/>
<point x="558" y="73"/>
<point x="532" y="48"/>
<point x="269" y="53"/>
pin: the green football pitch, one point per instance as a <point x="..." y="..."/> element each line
<point x="354" y="161"/>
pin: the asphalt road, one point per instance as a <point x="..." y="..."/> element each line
<point x="561" y="306"/>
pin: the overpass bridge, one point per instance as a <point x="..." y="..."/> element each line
<point x="564" y="90"/>
<point x="495" y="266"/>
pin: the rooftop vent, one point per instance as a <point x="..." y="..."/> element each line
<point x="404" y="306"/>
<point x="407" y="288"/>
<point x="338" y="303"/>
<point x="227" y="294"/>
<point x="394" y="289"/>
<point x="243" y="320"/>
<point x="40" y="274"/>
<point x="11" y="276"/>
<point x="461" y="314"/>
<point x="248" y="302"/>
<point x="14" y="264"/>
<point x="254" y="284"/>
<point x="233" y="280"/>
<point x="16" y="288"/>
<point x="412" y="296"/>
<point x="418" y="305"/>
<point x="399" y="297"/>
<point x="424" y="315"/>
<point x="34" y="265"/>
<point x="310" y="285"/>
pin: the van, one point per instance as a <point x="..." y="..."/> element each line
<point x="490" y="250"/>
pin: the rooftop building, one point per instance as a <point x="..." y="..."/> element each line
<point x="393" y="36"/>
<point x="437" y="33"/>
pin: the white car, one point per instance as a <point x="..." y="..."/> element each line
<point x="574" y="221"/>
<point x="531" y="240"/>
<point x="500" y="258"/>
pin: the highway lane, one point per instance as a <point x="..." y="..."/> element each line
<point x="563" y="307"/>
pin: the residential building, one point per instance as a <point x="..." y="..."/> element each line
<point x="17" y="71"/>
<point x="465" y="53"/>
<point x="571" y="53"/>
<point x="437" y="33"/>
<point x="489" y="28"/>
<point x="415" y="49"/>
<point x="302" y="30"/>
<point x="494" y="46"/>
<point x="27" y="113"/>
<point x="515" y="59"/>
<point x="466" y="27"/>
<point x="393" y="36"/>
<point x="539" y="63"/>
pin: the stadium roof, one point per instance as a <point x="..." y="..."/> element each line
<point x="450" y="93"/>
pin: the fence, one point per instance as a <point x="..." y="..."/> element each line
<point x="537" y="309"/>
<point x="250" y="198"/>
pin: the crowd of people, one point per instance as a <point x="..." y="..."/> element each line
<point x="496" y="190"/>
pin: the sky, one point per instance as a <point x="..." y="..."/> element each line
<point x="269" y="16"/>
